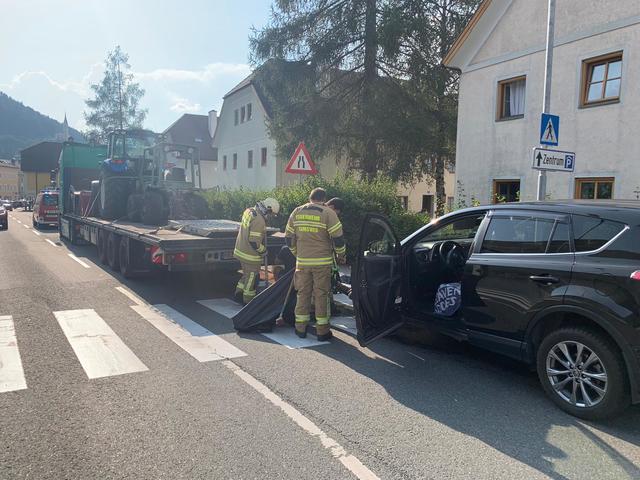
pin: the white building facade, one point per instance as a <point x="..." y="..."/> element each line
<point x="596" y="70"/>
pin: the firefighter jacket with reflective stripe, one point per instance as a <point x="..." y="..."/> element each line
<point x="250" y="242"/>
<point x="313" y="232"/>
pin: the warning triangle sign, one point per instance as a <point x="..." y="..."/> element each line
<point x="549" y="136"/>
<point x="301" y="162"/>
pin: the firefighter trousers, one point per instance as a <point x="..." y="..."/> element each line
<point x="247" y="284"/>
<point x="313" y="282"/>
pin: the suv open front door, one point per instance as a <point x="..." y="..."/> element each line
<point x="377" y="281"/>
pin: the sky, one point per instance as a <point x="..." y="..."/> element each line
<point x="186" y="54"/>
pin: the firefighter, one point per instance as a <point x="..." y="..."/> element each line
<point x="250" y="248"/>
<point x="313" y="234"/>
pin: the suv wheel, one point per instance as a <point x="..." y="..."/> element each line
<point x="583" y="372"/>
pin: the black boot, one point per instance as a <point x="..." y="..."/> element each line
<point x="302" y="334"/>
<point x="325" y="337"/>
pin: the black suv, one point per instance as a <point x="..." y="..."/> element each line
<point x="556" y="285"/>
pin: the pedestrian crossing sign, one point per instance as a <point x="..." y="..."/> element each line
<point x="301" y="162"/>
<point x="549" y="129"/>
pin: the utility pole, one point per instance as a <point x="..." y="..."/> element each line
<point x="548" y="69"/>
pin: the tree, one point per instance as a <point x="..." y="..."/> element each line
<point x="334" y="46"/>
<point x="417" y="36"/>
<point x="116" y="99"/>
<point x="374" y="90"/>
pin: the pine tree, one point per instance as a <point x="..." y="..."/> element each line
<point x="116" y="99"/>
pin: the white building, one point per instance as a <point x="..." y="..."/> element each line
<point x="596" y="71"/>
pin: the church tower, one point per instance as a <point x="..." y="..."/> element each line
<point x="65" y="129"/>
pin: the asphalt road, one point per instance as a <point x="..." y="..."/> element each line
<point x="333" y="411"/>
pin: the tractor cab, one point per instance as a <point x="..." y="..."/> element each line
<point x="127" y="147"/>
<point x="171" y="166"/>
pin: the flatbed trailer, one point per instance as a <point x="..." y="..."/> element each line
<point x="135" y="248"/>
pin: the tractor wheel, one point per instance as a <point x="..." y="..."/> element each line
<point x="135" y="202"/>
<point x="196" y="206"/>
<point x="154" y="211"/>
<point x="113" y="197"/>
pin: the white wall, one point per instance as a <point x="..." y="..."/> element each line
<point x="604" y="138"/>
<point x="239" y="139"/>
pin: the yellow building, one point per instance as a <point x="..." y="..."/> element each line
<point x="9" y="180"/>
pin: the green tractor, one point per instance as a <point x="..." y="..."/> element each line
<point x="148" y="180"/>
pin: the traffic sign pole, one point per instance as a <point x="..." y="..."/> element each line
<point x="548" y="68"/>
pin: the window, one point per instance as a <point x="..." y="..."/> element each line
<point x="601" y="80"/>
<point x="427" y="204"/>
<point x="236" y="114"/>
<point x="506" y="191"/>
<point x="224" y="162"/>
<point x="511" y="98"/>
<point x="591" y="233"/>
<point x="235" y="161"/>
<point x="250" y="159"/>
<point x="450" y="201"/>
<point x="464" y="228"/>
<point x="248" y="112"/>
<point x="520" y="234"/>
<point x="404" y="201"/>
<point x="594" y="188"/>
<point x="263" y="157"/>
<point x="242" y="114"/>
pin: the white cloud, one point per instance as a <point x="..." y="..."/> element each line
<point x="182" y="105"/>
<point x="204" y="75"/>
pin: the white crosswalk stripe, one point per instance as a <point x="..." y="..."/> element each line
<point x="99" y="350"/>
<point x="193" y="338"/>
<point x="11" y="372"/>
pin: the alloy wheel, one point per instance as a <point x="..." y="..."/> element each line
<point x="576" y="374"/>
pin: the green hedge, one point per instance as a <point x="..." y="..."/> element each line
<point x="360" y="197"/>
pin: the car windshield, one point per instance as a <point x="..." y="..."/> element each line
<point x="50" y="200"/>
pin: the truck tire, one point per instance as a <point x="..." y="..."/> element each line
<point x="101" y="243"/>
<point x="583" y="373"/>
<point x="113" y="197"/>
<point x="135" y="203"/>
<point x="94" y="204"/>
<point x="154" y="210"/>
<point x="113" y="251"/>
<point x="124" y="257"/>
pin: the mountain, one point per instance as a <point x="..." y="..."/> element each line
<point x="22" y="126"/>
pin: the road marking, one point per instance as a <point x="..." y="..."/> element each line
<point x="37" y="233"/>
<point x="51" y="242"/>
<point x="25" y="226"/>
<point x="192" y="337"/>
<point x="283" y="336"/>
<point x="132" y="296"/>
<point x="73" y="257"/>
<point x="99" y="350"/>
<point x="351" y="462"/>
<point x="414" y="355"/>
<point x="18" y="221"/>
<point x="11" y="372"/>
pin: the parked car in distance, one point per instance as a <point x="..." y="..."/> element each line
<point x="45" y="209"/>
<point x="17" y="204"/>
<point x="553" y="284"/>
<point x="4" y="218"/>
<point x="7" y="205"/>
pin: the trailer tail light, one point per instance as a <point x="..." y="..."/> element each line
<point x="156" y="255"/>
<point x="173" y="258"/>
<point x="117" y="161"/>
<point x="635" y="275"/>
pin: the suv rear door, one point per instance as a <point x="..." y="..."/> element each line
<point x="521" y="265"/>
<point x="377" y="280"/>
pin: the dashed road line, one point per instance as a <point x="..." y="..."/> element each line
<point x="131" y="296"/>
<point x="352" y="463"/>
<point x="73" y="257"/>
<point x="51" y="242"/>
<point x="418" y="357"/>
<point x="37" y="233"/>
<point x="100" y="351"/>
<point x="25" y="226"/>
<point x="11" y="371"/>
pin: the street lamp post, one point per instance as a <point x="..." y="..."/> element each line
<point x="546" y="105"/>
